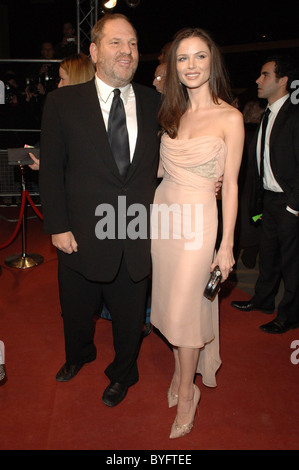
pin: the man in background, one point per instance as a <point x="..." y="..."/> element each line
<point x="275" y="168"/>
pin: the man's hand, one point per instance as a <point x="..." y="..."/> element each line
<point x="218" y="184"/>
<point x="35" y="165"/>
<point x="65" y="242"/>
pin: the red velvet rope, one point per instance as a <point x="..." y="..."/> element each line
<point x="38" y="213"/>
<point x="25" y="195"/>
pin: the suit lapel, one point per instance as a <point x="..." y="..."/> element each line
<point x="278" y="123"/>
<point x="140" y="142"/>
<point x="97" y="131"/>
<point x="140" y="117"/>
<point x="95" y="125"/>
<point x="252" y="149"/>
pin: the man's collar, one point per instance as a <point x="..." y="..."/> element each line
<point x="105" y="90"/>
<point x="275" y="107"/>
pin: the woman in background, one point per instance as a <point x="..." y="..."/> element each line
<point x="73" y="70"/>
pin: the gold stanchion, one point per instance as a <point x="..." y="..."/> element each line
<point x="24" y="260"/>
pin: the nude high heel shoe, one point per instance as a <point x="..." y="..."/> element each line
<point x="181" y="430"/>
<point x="172" y="397"/>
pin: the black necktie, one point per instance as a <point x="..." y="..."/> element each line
<point x="118" y="134"/>
<point x="264" y="127"/>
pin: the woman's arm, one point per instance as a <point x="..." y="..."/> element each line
<point x="234" y="139"/>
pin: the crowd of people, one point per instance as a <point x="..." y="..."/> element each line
<point x="26" y="87"/>
<point x="105" y="138"/>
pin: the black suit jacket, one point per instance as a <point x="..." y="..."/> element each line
<point x="284" y="158"/>
<point x="78" y="173"/>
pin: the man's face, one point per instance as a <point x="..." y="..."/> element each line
<point x="268" y="85"/>
<point x="116" y="55"/>
<point x="160" y="75"/>
<point x="68" y="30"/>
<point x="47" y="50"/>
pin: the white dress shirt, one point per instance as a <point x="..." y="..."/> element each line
<point x="270" y="183"/>
<point x="105" y="94"/>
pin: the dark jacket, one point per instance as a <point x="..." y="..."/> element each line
<point x="284" y="158"/>
<point x="78" y="173"/>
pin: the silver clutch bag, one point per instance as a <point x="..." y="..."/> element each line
<point x="213" y="285"/>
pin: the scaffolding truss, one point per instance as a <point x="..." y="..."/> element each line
<point x="87" y="16"/>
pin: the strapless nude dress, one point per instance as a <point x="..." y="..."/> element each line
<point x="184" y="223"/>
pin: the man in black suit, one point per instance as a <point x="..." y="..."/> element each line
<point x="279" y="192"/>
<point x="79" y="181"/>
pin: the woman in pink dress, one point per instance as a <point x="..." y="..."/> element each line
<point x="202" y="139"/>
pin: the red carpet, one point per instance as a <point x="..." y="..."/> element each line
<point x="255" y="405"/>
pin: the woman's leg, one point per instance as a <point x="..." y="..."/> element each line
<point x="176" y="379"/>
<point x="187" y="363"/>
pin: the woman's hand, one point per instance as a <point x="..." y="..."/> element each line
<point x="225" y="260"/>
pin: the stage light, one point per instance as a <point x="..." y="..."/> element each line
<point x="110" y="4"/>
<point x="132" y="3"/>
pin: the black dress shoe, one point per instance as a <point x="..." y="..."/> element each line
<point x="114" y="394"/>
<point x="248" y="306"/>
<point x="68" y="371"/>
<point x="276" y="326"/>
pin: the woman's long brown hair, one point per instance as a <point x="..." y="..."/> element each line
<point x="175" y="99"/>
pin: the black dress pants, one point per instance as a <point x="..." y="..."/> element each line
<point x="126" y="300"/>
<point x="279" y="258"/>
